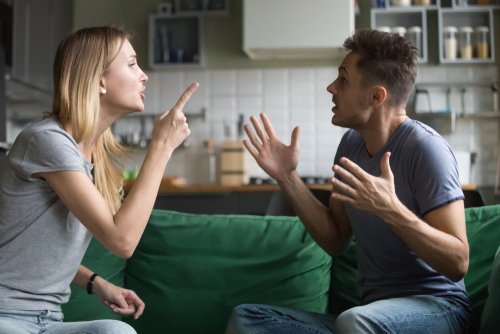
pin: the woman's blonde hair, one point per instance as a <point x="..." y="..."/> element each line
<point x="80" y="61"/>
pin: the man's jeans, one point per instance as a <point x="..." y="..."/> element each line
<point x="412" y="315"/>
<point x="50" y="322"/>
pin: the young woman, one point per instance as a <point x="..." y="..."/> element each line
<point x="61" y="183"/>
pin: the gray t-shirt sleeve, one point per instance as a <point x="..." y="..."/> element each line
<point x="48" y="150"/>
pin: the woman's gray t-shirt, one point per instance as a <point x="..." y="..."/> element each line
<point x="41" y="242"/>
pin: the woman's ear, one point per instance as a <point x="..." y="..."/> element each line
<point x="379" y="95"/>
<point x="102" y="87"/>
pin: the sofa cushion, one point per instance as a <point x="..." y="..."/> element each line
<point x="483" y="234"/>
<point x="82" y="306"/>
<point x="490" y="321"/>
<point x="345" y="292"/>
<point x="192" y="269"/>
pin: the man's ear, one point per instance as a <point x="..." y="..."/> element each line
<point x="379" y="96"/>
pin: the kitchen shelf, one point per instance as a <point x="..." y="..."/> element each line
<point x="175" y="41"/>
<point x="403" y="17"/>
<point x="472" y="3"/>
<point x="481" y="115"/>
<point x="203" y="7"/>
<point x="466" y="16"/>
<point x="390" y="4"/>
<point x="439" y="14"/>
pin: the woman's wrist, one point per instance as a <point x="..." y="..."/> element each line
<point x="90" y="283"/>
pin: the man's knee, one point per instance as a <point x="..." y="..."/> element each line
<point x="354" y="320"/>
<point x="242" y="318"/>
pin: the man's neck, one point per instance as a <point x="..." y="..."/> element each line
<point x="379" y="130"/>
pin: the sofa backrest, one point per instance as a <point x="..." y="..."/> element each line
<point x="483" y="233"/>
<point x="191" y="270"/>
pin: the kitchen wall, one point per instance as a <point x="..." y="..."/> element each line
<point x="297" y="96"/>
<point x="291" y="92"/>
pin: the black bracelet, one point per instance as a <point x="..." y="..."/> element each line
<point x="90" y="283"/>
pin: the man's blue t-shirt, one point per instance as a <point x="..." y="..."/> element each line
<point x="426" y="177"/>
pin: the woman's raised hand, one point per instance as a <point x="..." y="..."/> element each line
<point x="172" y="128"/>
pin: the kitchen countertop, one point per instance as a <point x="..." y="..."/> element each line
<point x="167" y="186"/>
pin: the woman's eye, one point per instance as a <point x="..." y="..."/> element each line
<point x="132" y="64"/>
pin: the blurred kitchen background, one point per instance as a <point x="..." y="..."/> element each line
<point x="216" y="42"/>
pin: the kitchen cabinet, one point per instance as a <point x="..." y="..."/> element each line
<point x="453" y="18"/>
<point x="204" y="7"/>
<point x="38" y="27"/>
<point x="382" y="18"/>
<point x="175" y="41"/>
<point x="476" y="18"/>
<point x="295" y="29"/>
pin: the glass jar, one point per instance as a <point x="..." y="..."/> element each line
<point x="415" y="38"/>
<point x="450" y="42"/>
<point x="482" y="42"/>
<point x="401" y="31"/>
<point x="404" y="3"/>
<point x="384" y="29"/>
<point x="465" y="42"/>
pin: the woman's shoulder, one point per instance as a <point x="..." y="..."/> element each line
<point x="45" y="129"/>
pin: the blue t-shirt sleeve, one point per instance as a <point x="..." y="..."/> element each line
<point x="435" y="178"/>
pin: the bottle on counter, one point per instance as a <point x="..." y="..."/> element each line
<point x="465" y="42"/>
<point x="482" y="43"/>
<point x="450" y="42"/>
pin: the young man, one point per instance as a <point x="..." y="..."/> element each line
<point x="396" y="190"/>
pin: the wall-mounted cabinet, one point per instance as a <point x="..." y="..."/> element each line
<point x="466" y="35"/>
<point x="465" y="31"/>
<point x="400" y="4"/>
<point x="406" y="20"/>
<point x="204" y="7"/>
<point x="176" y="34"/>
<point x="471" y="3"/>
<point x="296" y="29"/>
<point x="175" y="41"/>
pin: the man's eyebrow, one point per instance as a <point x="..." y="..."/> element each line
<point x="342" y="68"/>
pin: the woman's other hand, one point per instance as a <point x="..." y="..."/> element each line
<point x="121" y="301"/>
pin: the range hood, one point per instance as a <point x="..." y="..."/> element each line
<point x="296" y="29"/>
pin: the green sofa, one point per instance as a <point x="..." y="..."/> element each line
<point x="192" y="269"/>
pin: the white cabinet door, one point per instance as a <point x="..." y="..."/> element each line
<point x="296" y="28"/>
